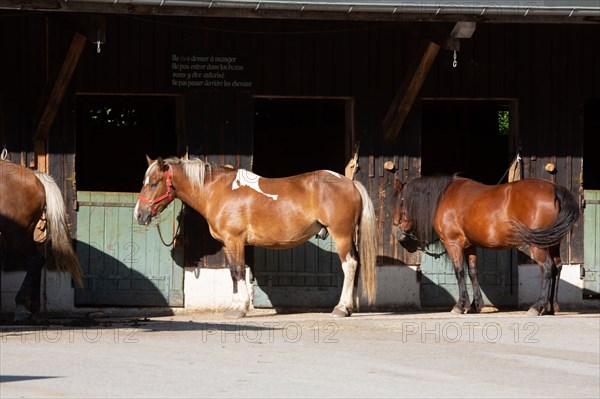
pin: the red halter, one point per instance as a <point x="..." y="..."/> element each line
<point x="168" y="194"/>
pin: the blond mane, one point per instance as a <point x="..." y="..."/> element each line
<point x="195" y="169"/>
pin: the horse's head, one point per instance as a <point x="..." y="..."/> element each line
<point x="156" y="191"/>
<point x="401" y="228"/>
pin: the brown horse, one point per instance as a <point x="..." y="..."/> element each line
<point x="531" y="214"/>
<point x="25" y="196"/>
<point x="242" y="208"/>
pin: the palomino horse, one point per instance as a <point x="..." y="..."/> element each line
<point x="532" y="213"/>
<point x="25" y="196"/>
<point x="242" y="208"/>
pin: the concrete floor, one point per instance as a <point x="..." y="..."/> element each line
<point x="305" y="355"/>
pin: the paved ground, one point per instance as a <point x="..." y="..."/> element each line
<point x="425" y="355"/>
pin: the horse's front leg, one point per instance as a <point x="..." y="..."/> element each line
<point x="240" y="302"/>
<point x="477" y="304"/>
<point x="348" y="257"/>
<point x="455" y="252"/>
<point x="28" y="298"/>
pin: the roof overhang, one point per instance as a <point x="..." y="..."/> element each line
<point x="500" y="11"/>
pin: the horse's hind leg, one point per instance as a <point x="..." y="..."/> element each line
<point x="555" y="255"/>
<point x="549" y="273"/>
<point x="28" y="298"/>
<point x="348" y="256"/>
<point x="477" y="304"/>
<point x="240" y="302"/>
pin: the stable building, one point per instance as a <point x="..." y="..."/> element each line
<point x="374" y="90"/>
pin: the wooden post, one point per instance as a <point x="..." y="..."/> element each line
<point x="408" y="90"/>
<point x="352" y="165"/>
<point x="40" y="137"/>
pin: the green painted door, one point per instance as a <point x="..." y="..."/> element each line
<point x="307" y="276"/>
<point x="591" y="244"/>
<point x="125" y="264"/>
<point x="497" y="275"/>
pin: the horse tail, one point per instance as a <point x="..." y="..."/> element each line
<point x="61" y="245"/>
<point x="565" y="219"/>
<point x="367" y="245"/>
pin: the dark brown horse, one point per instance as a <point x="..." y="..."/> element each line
<point x="242" y="208"/>
<point x="532" y="215"/>
<point x="25" y="196"/>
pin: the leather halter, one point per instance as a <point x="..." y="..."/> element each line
<point x="168" y="194"/>
<point x="398" y="224"/>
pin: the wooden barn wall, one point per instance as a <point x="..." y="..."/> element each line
<point x="549" y="69"/>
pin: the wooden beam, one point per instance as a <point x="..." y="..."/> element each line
<point x="408" y="90"/>
<point x="55" y="99"/>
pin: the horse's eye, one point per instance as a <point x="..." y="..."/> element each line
<point x="153" y="185"/>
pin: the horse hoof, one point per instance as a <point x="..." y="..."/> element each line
<point x="473" y="310"/>
<point x="340" y="312"/>
<point x="457" y="310"/>
<point x="533" y="312"/>
<point x="22" y="313"/>
<point x="234" y="314"/>
<point x="22" y="317"/>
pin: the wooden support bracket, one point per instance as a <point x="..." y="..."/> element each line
<point x="408" y="90"/>
<point x="54" y="101"/>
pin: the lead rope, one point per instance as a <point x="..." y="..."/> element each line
<point x="517" y="160"/>
<point x="175" y="235"/>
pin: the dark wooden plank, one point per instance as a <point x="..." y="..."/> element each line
<point x="96" y="243"/>
<point x="130" y="55"/>
<point x="285" y="265"/>
<point x="83" y="233"/>
<point x="270" y="63"/>
<point x="299" y="264"/>
<point x="485" y="48"/>
<point x="312" y="262"/>
<point x="324" y="76"/>
<point x="150" y="58"/>
<point x="292" y="57"/>
<point x="328" y="261"/>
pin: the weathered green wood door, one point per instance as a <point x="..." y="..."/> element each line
<point x="497" y="275"/>
<point x="125" y="264"/>
<point x="309" y="275"/>
<point x="591" y="244"/>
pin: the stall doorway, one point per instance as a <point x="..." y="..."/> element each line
<point x="124" y="264"/>
<point x="476" y="139"/>
<point x="292" y="136"/>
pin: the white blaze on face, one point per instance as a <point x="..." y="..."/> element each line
<point x="136" y="210"/>
<point x="246" y="178"/>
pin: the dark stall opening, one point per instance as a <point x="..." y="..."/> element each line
<point x="114" y="135"/>
<point x="296" y="135"/>
<point x="475" y="138"/>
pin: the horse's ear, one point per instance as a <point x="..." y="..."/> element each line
<point x="149" y="160"/>
<point x="399" y="185"/>
<point x="160" y="164"/>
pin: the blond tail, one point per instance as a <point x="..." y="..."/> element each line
<point x="60" y="240"/>
<point x="367" y="245"/>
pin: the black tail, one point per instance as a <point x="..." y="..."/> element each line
<point x="567" y="216"/>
